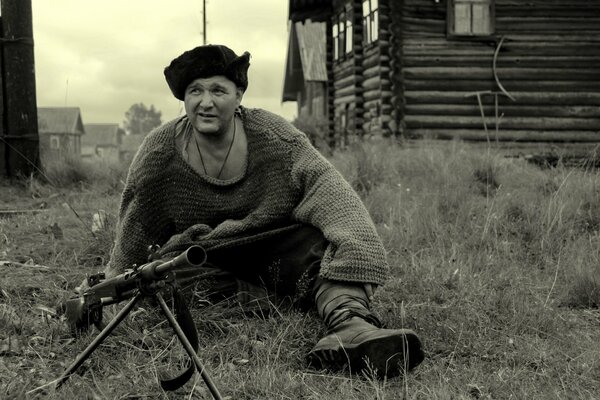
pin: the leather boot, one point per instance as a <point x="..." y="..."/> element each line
<point x="355" y="339"/>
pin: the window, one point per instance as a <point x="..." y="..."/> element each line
<point x="370" y="10"/>
<point x="342" y="32"/>
<point x="349" y="33"/>
<point x="335" y="34"/>
<point x="471" y="17"/>
<point x="54" y="142"/>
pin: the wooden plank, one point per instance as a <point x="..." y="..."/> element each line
<point x="509" y="85"/>
<point x="548" y="98"/>
<point x="3" y="165"/>
<point x="371" y="105"/>
<point x="556" y="40"/>
<point x="542" y="24"/>
<point x="371" y="83"/>
<point x="508" y="110"/>
<point x="341" y="67"/>
<point x="370" y="62"/>
<point x="535" y="123"/>
<point x="386" y="94"/>
<point x="346" y="91"/>
<point x="571" y="49"/>
<point x="503" y="60"/>
<point x="547" y="12"/>
<point x="22" y="158"/>
<point x="349" y="99"/>
<point x="370" y="52"/>
<point x="377" y="70"/>
<point x="477" y="73"/>
<point x="348" y="80"/>
<point x="372" y="95"/>
<point x="508" y="135"/>
<point x="542" y="3"/>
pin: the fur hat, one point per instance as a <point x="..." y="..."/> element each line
<point x="204" y="62"/>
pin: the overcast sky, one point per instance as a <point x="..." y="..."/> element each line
<point x="104" y="56"/>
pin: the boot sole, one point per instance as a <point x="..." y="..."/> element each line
<point x="386" y="356"/>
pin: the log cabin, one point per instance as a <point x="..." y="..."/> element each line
<point x="60" y="131"/>
<point x="102" y="142"/>
<point x="514" y="70"/>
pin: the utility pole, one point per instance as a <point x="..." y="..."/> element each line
<point x="19" y="139"/>
<point x="204" y="22"/>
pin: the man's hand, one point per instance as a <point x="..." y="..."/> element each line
<point x="370" y="290"/>
<point x="82" y="286"/>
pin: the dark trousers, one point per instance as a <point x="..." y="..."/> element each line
<point x="286" y="265"/>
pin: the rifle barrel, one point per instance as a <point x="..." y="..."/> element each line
<point x="194" y="256"/>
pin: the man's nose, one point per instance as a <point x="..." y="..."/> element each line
<point x="206" y="100"/>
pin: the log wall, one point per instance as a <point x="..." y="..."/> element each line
<point x="347" y="76"/>
<point x="548" y="61"/>
<point x="377" y="87"/>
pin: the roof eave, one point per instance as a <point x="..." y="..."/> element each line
<point x="316" y="10"/>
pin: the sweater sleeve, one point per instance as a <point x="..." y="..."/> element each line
<point x="136" y="225"/>
<point x="328" y="202"/>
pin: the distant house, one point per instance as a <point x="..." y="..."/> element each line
<point x="306" y="76"/>
<point x="471" y="69"/>
<point x="102" y="141"/>
<point x="306" y="69"/>
<point x="129" y="146"/>
<point x="60" y="130"/>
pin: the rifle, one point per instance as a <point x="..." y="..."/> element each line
<point x="147" y="280"/>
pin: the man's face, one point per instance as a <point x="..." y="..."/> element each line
<point x="210" y="104"/>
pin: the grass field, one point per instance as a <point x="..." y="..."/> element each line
<point x="495" y="263"/>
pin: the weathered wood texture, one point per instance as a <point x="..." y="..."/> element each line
<point x="20" y="138"/>
<point x="549" y="62"/>
<point x="347" y="81"/>
<point x="376" y="83"/>
<point x="331" y="135"/>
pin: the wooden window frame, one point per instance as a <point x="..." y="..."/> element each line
<point x="342" y="30"/>
<point x="370" y="21"/>
<point x="349" y="31"/>
<point x="335" y="35"/>
<point x="54" y="142"/>
<point x="471" y="33"/>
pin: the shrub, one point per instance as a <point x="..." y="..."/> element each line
<point x="315" y="129"/>
<point x="72" y="171"/>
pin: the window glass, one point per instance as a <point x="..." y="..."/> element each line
<point x="471" y="17"/>
<point x="370" y="21"/>
<point x="480" y="19"/>
<point x="342" y="35"/>
<point x="349" y="33"/>
<point x="336" y="51"/>
<point x="342" y="32"/>
<point x="54" y="142"/>
<point x="375" y="26"/>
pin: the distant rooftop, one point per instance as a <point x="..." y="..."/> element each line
<point x="102" y="134"/>
<point x="60" y="120"/>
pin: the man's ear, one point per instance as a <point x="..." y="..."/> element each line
<point x="239" y="95"/>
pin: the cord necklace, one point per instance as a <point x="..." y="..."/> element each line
<point x="226" y="155"/>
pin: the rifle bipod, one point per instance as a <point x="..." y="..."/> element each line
<point x="120" y="317"/>
<point x="148" y="280"/>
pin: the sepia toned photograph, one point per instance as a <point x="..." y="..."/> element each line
<point x="300" y="199"/>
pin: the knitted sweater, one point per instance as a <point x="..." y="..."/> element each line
<point x="286" y="182"/>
